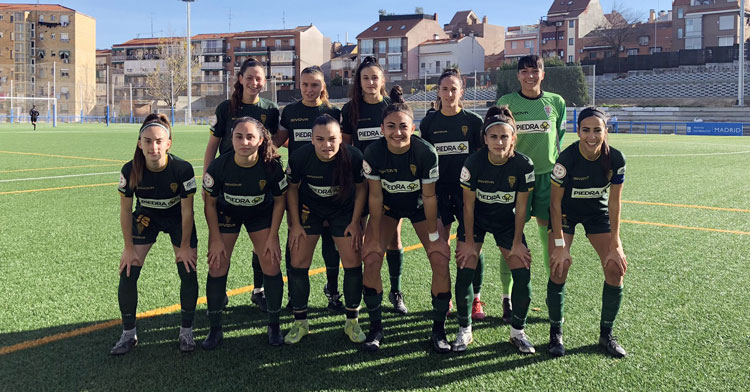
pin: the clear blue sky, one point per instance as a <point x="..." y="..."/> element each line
<point x="119" y="21"/>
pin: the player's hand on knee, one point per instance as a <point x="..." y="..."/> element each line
<point x="216" y="253"/>
<point x="296" y="235"/>
<point x="272" y="249"/>
<point x="464" y="253"/>
<point x="188" y="256"/>
<point x="559" y="262"/>
<point x="128" y="259"/>
<point x="354" y="231"/>
<point x="521" y="253"/>
<point x="617" y="256"/>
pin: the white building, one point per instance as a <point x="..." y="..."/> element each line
<point x="436" y="55"/>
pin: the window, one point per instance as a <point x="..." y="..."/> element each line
<point x="643" y="40"/>
<point x="726" y="22"/>
<point x="680" y="13"/>
<point x="394" y="62"/>
<point x="381" y="46"/>
<point x="366" y="46"/>
<point x="679" y="34"/>
<point x="52" y="18"/>
<point x="437" y="66"/>
<point x="394" y="45"/>
<point x="389" y="28"/>
<point x="560" y="36"/>
<point x="448" y="64"/>
<point x="375" y="28"/>
<point x="64" y="20"/>
<point x="243" y="44"/>
<point x="41" y="18"/>
<point x="64" y="73"/>
<point x="632" y="52"/>
<point x="52" y="36"/>
<point x="726" y="41"/>
<point x="263" y="43"/>
<point x="277" y="43"/>
<point x="381" y="61"/>
<point x="64" y="37"/>
<point x="572" y="23"/>
<point x="561" y="54"/>
<point x="403" y="27"/>
<point x="255" y="43"/>
<point x="655" y="50"/>
<point x="570" y="59"/>
<point x="570" y="42"/>
<point x="514" y="45"/>
<point x="528" y="44"/>
<point x="291" y="42"/>
<point x="422" y="66"/>
<point x="693" y="43"/>
<point x="592" y="55"/>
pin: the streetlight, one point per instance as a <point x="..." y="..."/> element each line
<point x="189" y="114"/>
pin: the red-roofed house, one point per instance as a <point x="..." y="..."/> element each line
<point x="567" y="21"/>
<point x="394" y="40"/>
<point x="467" y="23"/>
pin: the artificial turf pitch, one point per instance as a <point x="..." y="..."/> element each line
<point x="684" y="319"/>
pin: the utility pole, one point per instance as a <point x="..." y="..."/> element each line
<point x="188" y="115"/>
<point x="741" y="81"/>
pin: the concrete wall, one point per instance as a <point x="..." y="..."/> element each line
<point x="425" y="30"/>
<point x="84" y="58"/>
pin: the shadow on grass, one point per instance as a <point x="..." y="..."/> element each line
<point x="324" y="360"/>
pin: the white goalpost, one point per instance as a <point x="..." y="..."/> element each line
<point x="20" y="114"/>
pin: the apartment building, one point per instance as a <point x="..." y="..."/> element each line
<point x="344" y="61"/>
<point x="464" y="53"/>
<point x="467" y="23"/>
<point x="394" y="40"/>
<point x="216" y="71"/>
<point x="698" y="24"/>
<point x="521" y="41"/>
<point x="568" y="21"/>
<point x="290" y="51"/>
<point x="48" y="50"/>
<point x="132" y="61"/>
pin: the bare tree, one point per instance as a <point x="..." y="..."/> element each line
<point x="618" y="28"/>
<point x="168" y="80"/>
<point x="382" y="12"/>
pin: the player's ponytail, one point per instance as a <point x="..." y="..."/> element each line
<point x="606" y="161"/>
<point x="236" y="100"/>
<point x="267" y="152"/>
<point x="139" y="160"/>
<point x="342" y="161"/>
<point x="397" y="103"/>
<point x="500" y="115"/>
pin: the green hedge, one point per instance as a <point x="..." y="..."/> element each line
<point x="568" y="81"/>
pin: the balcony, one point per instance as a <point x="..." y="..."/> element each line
<point x="212" y="65"/>
<point x="212" y="50"/>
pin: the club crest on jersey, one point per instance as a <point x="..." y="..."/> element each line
<point x="464" y="129"/>
<point x="512" y="181"/>
<point x="304" y="214"/>
<point x="366" y="167"/>
<point x="548" y="110"/>
<point x="123" y="181"/>
<point x="609" y="175"/>
<point x="227" y="218"/>
<point x="559" y="171"/>
<point x="413" y="169"/>
<point x="261" y="184"/>
<point x="173" y="186"/>
<point x="263" y="118"/>
<point x="208" y="180"/>
<point x="465" y="174"/>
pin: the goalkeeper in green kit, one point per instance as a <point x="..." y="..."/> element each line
<point x="540" y="125"/>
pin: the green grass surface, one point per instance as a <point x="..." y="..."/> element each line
<point x="683" y="321"/>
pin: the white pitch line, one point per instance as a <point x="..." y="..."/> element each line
<point x="687" y="155"/>
<point x="70" y="176"/>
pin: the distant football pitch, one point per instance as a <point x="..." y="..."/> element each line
<point x="684" y="319"/>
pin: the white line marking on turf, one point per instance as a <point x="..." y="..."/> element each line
<point x="687" y="155"/>
<point x="69" y="176"/>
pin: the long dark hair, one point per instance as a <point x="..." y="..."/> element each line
<point x="591" y="111"/>
<point x="501" y="114"/>
<point x="446" y="74"/>
<point x="266" y="151"/>
<point x="342" y="161"/>
<point x="356" y="90"/>
<point x="139" y="160"/>
<point x="397" y="103"/>
<point x="315" y="70"/>
<point x="236" y="100"/>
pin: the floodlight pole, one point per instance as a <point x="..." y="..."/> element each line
<point x="189" y="114"/>
<point x="741" y="78"/>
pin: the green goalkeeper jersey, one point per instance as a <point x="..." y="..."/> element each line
<point x="540" y="125"/>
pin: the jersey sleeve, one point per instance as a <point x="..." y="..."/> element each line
<point x="212" y="182"/>
<point x="469" y="173"/>
<point x="285" y="121"/>
<point x="294" y="168"/>
<point x="618" y="167"/>
<point x="273" y="120"/>
<point x="429" y="171"/>
<point x="475" y="133"/>
<point x="123" y="186"/>
<point x="526" y="171"/>
<point x="346" y="124"/>
<point x="562" y="121"/>
<point x="280" y="183"/>
<point x="424" y="128"/>
<point x="221" y="121"/>
<point x="187" y="180"/>
<point x="559" y="175"/>
<point x="357" y="173"/>
<point x="370" y="162"/>
<point x="335" y="112"/>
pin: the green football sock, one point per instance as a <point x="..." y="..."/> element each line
<point x="521" y="297"/>
<point x="440" y="304"/>
<point x="478" y="274"/>
<point x="464" y="292"/>
<point x="373" y="299"/>
<point x="395" y="260"/>
<point x="556" y="303"/>
<point x="188" y="294"/>
<point x="543" y="236"/>
<point x="611" y="300"/>
<point x="274" y="288"/>
<point x="216" y="289"/>
<point x="257" y="272"/>
<point x="299" y="280"/>
<point x="331" y="260"/>
<point x="506" y="278"/>
<point x="352" y="288"/>
<point x="127" y="296"/>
